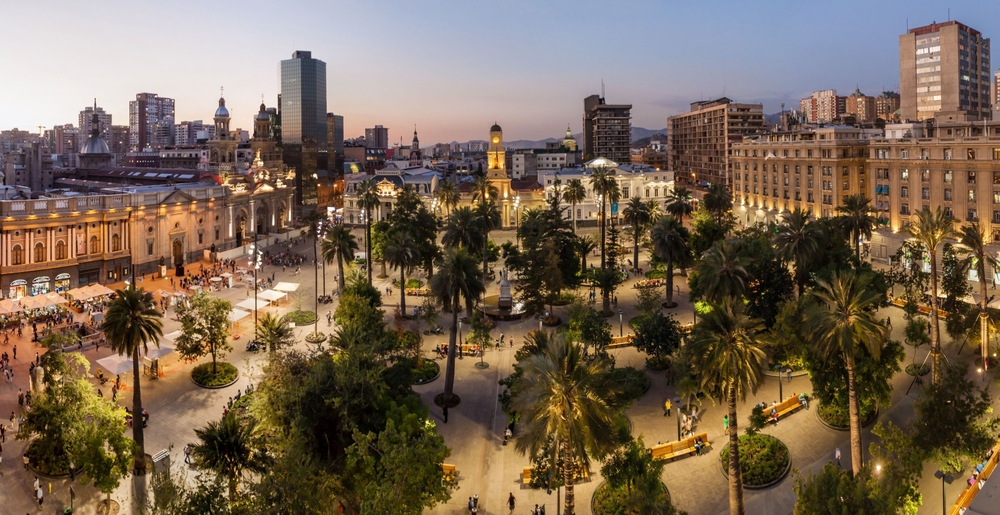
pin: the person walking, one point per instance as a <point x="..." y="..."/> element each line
<point x="38" y="493"/>
<point x="666" y="408"/>
<point x="725" y="424"/>
<point x="510" y="502"/>
<point x="788" y="371"/>
<point x="187" y="454"/>
<point x="836" y="456"/>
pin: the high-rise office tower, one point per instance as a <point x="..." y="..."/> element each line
<point x="698" y="141"/>
<point x="335" y="132"/>
<point x="377" y="137"/>
<point x="607" y="130"/>
<point x="151" y="122"/>
<point x="944" y="67"/>
<point x="86" y="120"/>
<point x="303" y="99"/>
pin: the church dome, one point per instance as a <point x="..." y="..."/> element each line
<point x="222" y="112"/>
<point x="496" y="128"/>
<point x="95" y="144"/>
<point x="263" y="115"/>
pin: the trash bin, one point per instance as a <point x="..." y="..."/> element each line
<point x="161" y="462"/>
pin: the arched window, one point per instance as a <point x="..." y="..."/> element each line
<point x="39" y="253"/>
<point x="17" y="255"/>
<point x="95" y="245"/>
<point x="61" y="250"/>
<point x="116" y="243"/>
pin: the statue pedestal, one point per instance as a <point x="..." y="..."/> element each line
<point x="505" y="301"/>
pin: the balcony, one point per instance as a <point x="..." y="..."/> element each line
<point x="45" y="207"/>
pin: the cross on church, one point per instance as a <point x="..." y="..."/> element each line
<point x="222" y="91"/>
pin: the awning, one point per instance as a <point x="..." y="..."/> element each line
<point x="159" y="352"/>
<point x="227" y="275"/>
<point x="116" y="364"/>
<point x="251" y="306"/>
<point x="37" y="302"/>
<point x="56" y="298"/>
<point x="286" y="287"/>
<point x="216" y="279"/>
<point x="272" y="295"/>
<point x="237" y="314"/>
<point x="9" y="307"/>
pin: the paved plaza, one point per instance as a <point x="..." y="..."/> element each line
<point x="474" y="431"/>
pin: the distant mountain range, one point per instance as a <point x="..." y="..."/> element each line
<point x="638" y="133"/>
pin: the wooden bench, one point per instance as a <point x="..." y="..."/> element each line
<point x="580" y="474"/>
<point x="671" y="450"/>
<point x="621" y="341"/>
<point x="785" y="407"/>
<point x="470" y="350"/>
<point x="450" y="472"/>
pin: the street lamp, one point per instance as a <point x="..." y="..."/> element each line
<point x="945" y="478"/>
<point x="621" y="327"/>
<point x="517" y="219"/>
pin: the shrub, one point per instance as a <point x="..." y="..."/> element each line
<point x="424" y="371"/>
<point x="611" y="501"/>
<point x="838" y="415"/>
<point x="914" y="369"/>
<point x="763" y="459"/>
<point x="225" y="373"/>
<point x="632" y="383"/>
<point x="301" y="317"/>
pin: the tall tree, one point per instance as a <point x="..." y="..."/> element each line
<point x="130" y="325"/>
<point x="338" y="245"/>
<point x="718" y="201"/>
<point x="857" y="220"/>
<point x="274" y="332"/>
<point x="368" y="201"/>
<point x="638" y="216"/>
<point x="316" y="222"/>
<point x="229" y="448"/>
<point x="458" y="279"/>
<point x="931" y="229"/>
<point x="447" y="195"/>
<point x="564" y="397"/>
<point x="401" y="253"/>
<point x="575" y="193"/>
<point x="585" y="245"/>
<point x="670" y="239"/>
<point x="722" y="272"/>
<point x="729" y="361"/>
<point x="679" y="203"/>
<point x="204" y="327"/>
<point x="488" y="218"/>
<point x="973" y="238"/>
<point x="843" y="320"/>
<point x="796" y="240"/>
<point x="604" y="184"/>
<point x="463" y="230"/>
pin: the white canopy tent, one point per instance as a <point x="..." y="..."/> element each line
<point x="250" y="305"/>
<point x="286" y="287"/>
<point x="56" y="298"/>
<point x="237" y="314"/>
<point x="159" y="352"/>
<point x="9" y="307"/>
<point x="272" y="295"/>
<point x="116" y="364"/>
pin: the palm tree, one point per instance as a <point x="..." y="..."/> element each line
<point x="729" y="361"/>
<point x="678" y="202"/>
<point x="564" y="399"/>
<point x="603" y="182"/>
<point x="228" y="448"/>
<point x="463" y="230"/>
<point x="401" y="253"/>
<point x="857" y="220"/>
<point x="274" y="332"/>
<point x="797" y="239"/>
<point x="843" y="319"/>
<point x="488" y="215"/>
<point x="315" y="221"/>
<point x="574" y="193"/>
<point x="722" y="271"/>
<point x="368" y="201"/>
<point x="655" y="210"/>
<point x="585" y="245"/>
<point x="718" y="201"/>
<point x="637" y="214"/>
<point x="483" y="191"/>
<point x="973" y="238"/>
<point x="338" y="245"/>
<point x="448" y="195"/>
<point x="131" y="323"/>
<point x="670" y="239"/>
<point x="458" y="279"/>
<point x="931" y="229"/>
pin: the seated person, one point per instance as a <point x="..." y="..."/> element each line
<point x="698" y="446"/>
<point x="804" y="400"/>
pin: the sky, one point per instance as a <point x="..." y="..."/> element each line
<point x="453" y="67"/>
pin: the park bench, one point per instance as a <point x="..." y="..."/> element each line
<point x="786" y="407"/>
<point x="581" y="473"/>
<point x="670" y="450"/>
<point x="470" y="350"/>
<point x="621" y="341"/>
<point x="450" y="472"/>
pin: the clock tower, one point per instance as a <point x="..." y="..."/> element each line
<point x="496" y="156"/>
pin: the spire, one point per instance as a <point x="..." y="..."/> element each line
<point x="95" y="103"/>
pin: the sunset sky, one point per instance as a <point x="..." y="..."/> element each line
<point x="452" y="68"/>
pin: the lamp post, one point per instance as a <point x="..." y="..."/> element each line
<point x="517" y="220"/>
<point x="677" y="404"/>
<point x="621" y="326"/>
<point x="540" y="318"/>
<point x="945" y="478"/>
<point x="255" y="263"/>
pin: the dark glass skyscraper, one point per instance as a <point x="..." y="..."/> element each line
<point x="303" y="99"/>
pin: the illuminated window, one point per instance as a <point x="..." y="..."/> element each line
<point x="39" y="252"/>
<point x="95" y="245"/>
<point x="17" y="255"/>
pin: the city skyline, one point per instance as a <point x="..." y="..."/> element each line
<point x="529" y="68"/>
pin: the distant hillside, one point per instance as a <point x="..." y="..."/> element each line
<point x="638" y="134"/>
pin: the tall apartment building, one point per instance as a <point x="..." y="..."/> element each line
<point x="65" y="139"/>
<point x="86" y="121"/>
<point x="861" y="106"/>
<point x="812" y="170"/>
<point x="119" y="140"/>
<point x="698" y="141"/>
<point x="607" y="129"/>
<point x="377" y="137"/>
<point x="190" y="132"/>
<point x="944" y="67"/>
<point x="823" y="106"/>
<point x="151" y="122"/>
<point x="887" y="106"/>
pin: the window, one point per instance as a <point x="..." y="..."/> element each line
<point x="809" y="170"/>
<point x="656" y="191"/>
<point x="810" y="197"/>
<point x="947" y="194"/>
<point x="904" y="192"/>
<point x="972" y="216"/>
<point x="846" y="172"/>
<point x="846" y="185"/>
<point x="625" y="192"/>
<point x="904" y="209"/>
<point x="810" y="183"/>
<point x="996" y="217"/>
<point x="61" y="249"/>
<point x="17" y="255"/>
<point x="798" y="168"/>
<point x="925" y="193"/>
<point x="798" y="196"/>
<point x="149" y="248"/>
<point x="796" y="171"/>
<point x="774" y="192"/>
<point x="798" y="153"/>
<point x="925" y="175"/>
<point x="972" y="195"/>
<point x="217" y="232"/>
<point x="947" y="176"/>
<point x="796" y="182"/>
<point x="116" y="243"/>
<point x="201" y="237"/>
<point x="970" y="153"/>
<point x="996" y="153"/>
<point x="95" y="245"/>
<point x="904" y="153"/>
<point x="947" y="154"/>
<point x="948" y="213"/>
<point x="971" y="178"/>
<point x="39" y="252"/>
<point x="786" y="181"/>
<point x="647" y="192"/>
<point x="904" y="174"/>
<point x="774" y="179"/>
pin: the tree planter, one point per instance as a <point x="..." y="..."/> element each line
<point x="439" y="400"/>
<point x="428" y="364"/>
<point x="761" y="458"/>
<point x="316" y="337"/>
<point x="600" y="506"/>
<point x="551" y="321"/>
<point x="482" y="364"/>
<point x="864" y="423"/>
<point x="226" y="376"/>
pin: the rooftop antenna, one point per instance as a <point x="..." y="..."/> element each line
<point x="949" y="14"/>
<point x="602" y="88"/>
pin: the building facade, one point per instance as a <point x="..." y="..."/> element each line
<point x="698" y="141"/>
<point x="377" y="137"/>
<point x="86" y="120"/>
<point x="823" y="106"/>
<point x="861" y="106"/>
<point x="151" y="122"/>
<point x="887" y="106"/>
<point x="944" y="67"/>
<point x="303" y="99"/>
<point x="607" y="129"/>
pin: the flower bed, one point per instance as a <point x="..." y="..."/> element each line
<point x="764" y="460"/>
<point x="225" y="374"/>
<point x="300" y="317"/>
